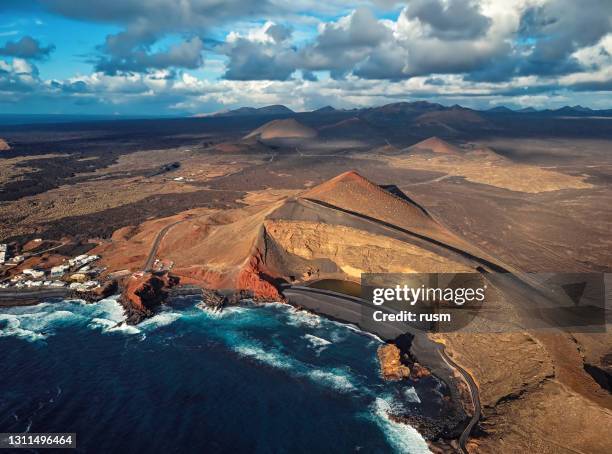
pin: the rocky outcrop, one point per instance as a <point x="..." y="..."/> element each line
<point x="4" y="146"/>
<point x="142" y="294"/>
<point x="107" y="289"/>
<point x="255" y="278"/>
<point x="216" y="301"/>
<point x="418" y="371"/>
<point x="391" y="367"/>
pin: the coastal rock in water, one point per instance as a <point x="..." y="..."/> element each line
<point x="419" y="371"/>
<point x="143" y="294"/>
<point x="391" y="367"/>
<point x="4" y="146"/>
<point x="99" y="293"/>
<point x="213" y="299"/>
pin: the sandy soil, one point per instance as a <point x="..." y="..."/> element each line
<point x="485" y="168"/>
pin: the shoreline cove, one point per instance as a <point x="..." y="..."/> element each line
<point x="305" y="349"/>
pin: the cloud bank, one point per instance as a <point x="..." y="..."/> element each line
<point x="197" y="55"/>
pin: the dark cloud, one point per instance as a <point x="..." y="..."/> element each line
<point x="251" y="60"/>
<point x="559" y="28"/>
<point x="160" y="14"/>
<point x="454" y="19"/>
<point x="342" y="45"/>
<point x="187" y="54"/>
<point x="278" y="33"/>
<point x="27" y="47"/>
<point x="594" y="85"/>
<point x="309" y="76"/>
<point x="71" y="87"/>
<point x="145" y="24"/>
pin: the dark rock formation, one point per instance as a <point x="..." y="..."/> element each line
<point x="107" y="289"/>
<point x="145" y="293"/>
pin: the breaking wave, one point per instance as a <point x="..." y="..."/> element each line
<point x="336" y="379"/>
<point x="402" y="437"/>
<point x="411" y="395"/>
<point x="318" y="343"/>
<point x="10" y="325"/>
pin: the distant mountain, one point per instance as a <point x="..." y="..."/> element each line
<point x="326" y="109"/>
<point x="275" y="109"/>
<point x="450" y="117"/>
<point x="574" y="110"/>
<point x="435" y="145"/>
<point x="527" y="110"/>
<point x="283" y="129"/>
<point x="416" y="107"/>
<point x="353" y="127"/>
<point x="501" y="109"/>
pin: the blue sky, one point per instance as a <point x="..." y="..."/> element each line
<point x="164" y="57"/>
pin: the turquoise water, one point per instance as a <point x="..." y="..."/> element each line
<point x="251" y="379"/>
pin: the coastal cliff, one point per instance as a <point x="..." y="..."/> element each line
<point x="142" y="294"/>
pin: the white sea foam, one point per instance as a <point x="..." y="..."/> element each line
<point x="336" y="379"/>
<point x="411" y="395"/>
<point x="124" y="328"/>
<point x="358" y="330"/>
<point x="271" y="358"/>
<point x="34" y="323"/>
<point x="317" y="343"/>
<point x="11" y="326"/>
<point x="111" y="326"/>
<point x="298" y="317"/>
<point x="159" y="320"/>
<point x="224" y="313"/>
<point x="402" y="437"/>
<point x="110" y="309"/>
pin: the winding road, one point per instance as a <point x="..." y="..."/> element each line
<point x="160" y="236"/>
<point x="463" y="438"/>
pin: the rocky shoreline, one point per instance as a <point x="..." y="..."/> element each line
<point x="142" y="294"/>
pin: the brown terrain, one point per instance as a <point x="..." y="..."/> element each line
<point x="282" y="129"/>
<point x="3" y="145"/>
<point x="402" y="188"/>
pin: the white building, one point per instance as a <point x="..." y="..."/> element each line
<point x="35" y="274"/>
<point x="18" y="259"/>
<point x="83" y="287"/>
<point x="82" y="259"/>
<point x="59" y="270"/>
<point x="3" y="253"/>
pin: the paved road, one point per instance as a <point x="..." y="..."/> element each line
<point x="160" y="236"/>
<point x="435" y="180"/>
<point x="17" y="297"/>
<point x="463" y="438"/>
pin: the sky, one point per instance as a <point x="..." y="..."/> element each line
<point x="183" y="57"/>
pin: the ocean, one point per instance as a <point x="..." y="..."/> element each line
<point x="257" y="379"/>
